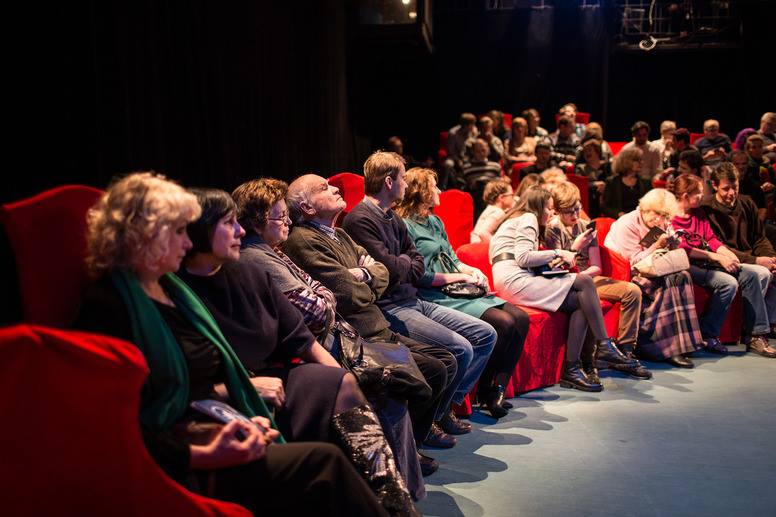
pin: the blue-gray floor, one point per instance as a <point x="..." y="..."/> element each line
<point x="688" y="442"/>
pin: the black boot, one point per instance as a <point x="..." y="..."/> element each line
<point x="572" y="376"/>
<point x="636" y="369"/>
<point x="493" y="400"/>
<point x="362" y="439"/>
<point x="588" y="360"/>
<point x="607" y="354"/>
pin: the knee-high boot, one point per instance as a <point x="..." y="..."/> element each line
<point x="361" y="437"/>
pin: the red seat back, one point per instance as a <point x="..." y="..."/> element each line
<point x="47" y="234"/>
<point x="476" y="255"/>
<point x="584" y="190"/>
<point x="73" y="442"/>
<point x="514" y="174"/>
<point x="456" y="210"/>
<point x="351" y="188"/>
<point x="614" y="265"/>
<point x="508" y="121"/>
<point x="694" y="137"/>
<point x="616" y="147"/>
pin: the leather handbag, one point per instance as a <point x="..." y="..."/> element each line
<point x="663" y="262"/>
<point x="460" y="289"/>
<point x="381" y="367"/>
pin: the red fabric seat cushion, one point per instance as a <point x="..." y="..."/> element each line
<point x="351" y="188"/>
<point x="456" y="210"/>
<point x="72" y="440"/>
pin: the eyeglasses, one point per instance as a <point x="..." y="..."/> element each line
<point x="283" y="219"/>
<point x="571" y="211"/>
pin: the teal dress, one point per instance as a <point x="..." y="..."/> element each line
<point x="431" y="241"/>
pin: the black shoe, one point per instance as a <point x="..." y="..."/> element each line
<point x="715" y="346"/>
<point x="428" y="465"/>
<point x="452" y="425"/>
<point x="606" y="352"/>
<point x="507" y="405"/>
<point x="636" y="369"/>
<point x="680" y="361"/>
<point x="592" y="373"/>
<point x="440" y="439"/>
<point x="493" y="401"/>
<point x="572" y="376"/>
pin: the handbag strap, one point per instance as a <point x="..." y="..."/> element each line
<point x="446" y="262"/>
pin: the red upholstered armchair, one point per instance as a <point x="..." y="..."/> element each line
<point x="456" y="210"/>
<point x="351" y="188"/>
<point x="47" y="236"/>
<point x="72" y="441"/>
<point x="583" y="185"/>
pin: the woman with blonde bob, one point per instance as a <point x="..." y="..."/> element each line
<point x="669" y="323"/>
<point x="569" y="231"/>
<point x="444" y="267"/>
<point x="136" y="240"/>
<point x="518" y="273"/>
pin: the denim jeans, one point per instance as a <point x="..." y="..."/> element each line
<point x="723" y="286"/>
<point x="758" y="313"/>
<point x="469" y="339"/>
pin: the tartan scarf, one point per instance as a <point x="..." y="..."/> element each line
<point x="167" y="388"/>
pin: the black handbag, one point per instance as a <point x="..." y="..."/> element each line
<point x="458" y="289"/>
<point x="381" y="367"/>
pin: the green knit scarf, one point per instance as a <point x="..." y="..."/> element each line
<point x="167" y="388"/>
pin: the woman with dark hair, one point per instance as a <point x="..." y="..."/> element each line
<point x="316" y="399"/>
<point x="443" y="267"/>
<point x="136" y="239"/>
<point x="625" y="188"/>
<point x="517" y="260"/>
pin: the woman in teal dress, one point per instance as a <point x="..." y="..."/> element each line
<point x="443" y="267"/>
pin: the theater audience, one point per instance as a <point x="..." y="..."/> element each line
<point x="330" y="256"/>
<point x="498" y="124"/>
<point x="570" y="110"/>
<point x="568" y="231"/>
<point x="374" y="225"/>
<point x="735" y="220"/>
<point x="519" y="147"/>
<point x="652" y="160"/>
<point x="669" y="322"/>
<point x="623" y="190"/>
<point x="498" y="197"/>
<point x="444" y="267"/>
<point x="713" y="145"/>
<point x="564" y="141"/>
<point x="137" y="238"/>
<point x="517" y="261"/>
<point x="595" y="131"/>
<point x="533" y="120"/>
<point x="478" y="171"/>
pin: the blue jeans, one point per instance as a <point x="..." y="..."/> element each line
<point x="723" y="286"/>
<point x="469" y="339"/>
<point x="758" y="313"/>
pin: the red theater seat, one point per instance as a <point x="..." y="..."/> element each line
<point x="351" y="188"/>
<point x="584" y="189"/>
<point x="73" y="445"/>
<point x="616" y="147"/>
<point x="456" y="210"/>
<point x="694" y="137"/>
<point x="47" y="233"/>
<point x="514" y="174"/>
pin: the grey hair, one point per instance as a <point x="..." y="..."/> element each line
<point x="298" y="193"/>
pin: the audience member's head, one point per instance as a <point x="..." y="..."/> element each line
<point x="640" y="132"/>
<point x="690" y="162"/>
<point x="768" y="123"/>
<point x="569" y="110"/>
<point x="311" y="197"/>
<point x="480" y="150"/>
<point x="535" y="200"/>
<point x="395" y="145"/>
<point x="218" y="209"/>
<point x="658" y="207"/>
<point x="422" y="194"/>
<point x="519" y="129"/>
<point x="552" y="176"/>
<point x="140" y="224"/>
<point x="262" y="210"/>
<point x="724" y="180"/>
<point x="531" y="116"/>
<point x="740" y="141"/>
<point x="467" y="121"/>
<point x="740" y="161"/>
<point x="628" y="162"/>
<point x="710" y="128"/>
<point x="592" y="150"/>
<point x="486" y="125"/>
<point x="688" y="188"/>
<point x="567" y="201"/>
<point x="594" y="130"/>
<point x="543" y="153"/>
<point x="667" y="129"/>
<point x="498" y="120"/>
<point x="499" y="193"/>
<point x="754" y="146"/>
<point x="384" y="174"/>
<point x="682" y="139"/>
<point x="566" y="126"/>
<point x="527" y="182"/>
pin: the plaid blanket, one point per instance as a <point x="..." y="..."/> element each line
<point x="669" y="321"/>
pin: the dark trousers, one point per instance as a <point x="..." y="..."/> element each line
<point x="438" y="366"/>
<point x="304" y="478"/>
